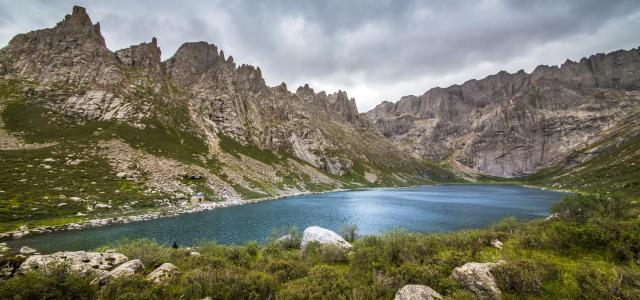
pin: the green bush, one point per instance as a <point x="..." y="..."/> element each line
<point x="524" y="277"/>
<point x="596" y="283"/>
<point x="57" y="283"/>
<point x="349" y="232"/>
<point x="323" y="282"/>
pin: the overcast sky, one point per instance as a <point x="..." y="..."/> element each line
<point x="375" y="50"/>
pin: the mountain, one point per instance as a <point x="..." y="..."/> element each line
<point x="89" y="132"/>
<point x="514" y="125"/>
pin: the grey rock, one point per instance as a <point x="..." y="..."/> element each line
<point x="477" y="278"/>
<point x="127" y="269"/>
<point x="416" y="292"/>
<point x="78" y="261"/>
<point x="163" y="273"/>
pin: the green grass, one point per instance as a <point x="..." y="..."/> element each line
<point x="235" y="148"/>
<point x="589" y="253"/>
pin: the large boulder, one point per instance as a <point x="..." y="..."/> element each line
<point x="323" y="236"/>
<point x="477" y="278"/>
<point x="163" y="273"/>
<point x="78" y="261"/>
<point x="416" y="292"/>
<point x="127" y="269"/>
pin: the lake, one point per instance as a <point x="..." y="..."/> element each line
<point x="437" y="208"/>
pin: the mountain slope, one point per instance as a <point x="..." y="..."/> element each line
<point x="87" y="132"/>
<point x="513" y="125"/>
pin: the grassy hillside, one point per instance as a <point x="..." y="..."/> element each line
<point x="590" y="252"/>
<point x="58" y="167"/>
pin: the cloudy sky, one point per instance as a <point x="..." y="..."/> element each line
<point x="376" y="50"/>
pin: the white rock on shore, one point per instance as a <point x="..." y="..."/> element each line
<point x="323" y="236"/>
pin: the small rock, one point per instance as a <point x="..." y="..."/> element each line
<point x="62" y="204"/>
<point x="497" y="243"/>
<point x="102" y="205"/>
<point x="416" y="292"/>
<point x="76" y="199"/>
<point x="49" y="159"/>
<point x="194" y="253"/>
<point x="122" y="175"/>
<point x="163" y="273"/>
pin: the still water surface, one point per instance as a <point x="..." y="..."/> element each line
<point x="437" y="208"/>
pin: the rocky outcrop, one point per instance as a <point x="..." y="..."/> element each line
<point x="416" y="292"/>
<point x="323" y="236"/>
<point x="511" y="125"/>
<point x="127" y="269"/>
<point x="73" y="52"/>
<point x="90" y="263"/>
<point x="145" y="56"/>
<point x="477" y="278"/>
<point x="163" y="273"/>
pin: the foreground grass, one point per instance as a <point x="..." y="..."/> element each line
<point x="591" y="251"/>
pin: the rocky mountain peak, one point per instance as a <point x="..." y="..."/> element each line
<point x="304" y="91"/>
<point x="79" y="23"/>
<point x="192" y="60"/>
<point x="144" y="55"/>
<point x="74" y="51"/>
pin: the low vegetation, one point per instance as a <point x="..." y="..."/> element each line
<point x="589" y="250"/>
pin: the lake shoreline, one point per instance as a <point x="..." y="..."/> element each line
<point x="157" y="214"/>
<point x="178" y="211"/>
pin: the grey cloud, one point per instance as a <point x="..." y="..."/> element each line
<point x="359" y="45"/>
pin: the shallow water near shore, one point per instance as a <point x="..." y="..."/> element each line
<point x="438" y="208"/>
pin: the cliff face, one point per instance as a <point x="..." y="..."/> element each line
<point x="194" y="122"/>
<point x="510" y="125"/>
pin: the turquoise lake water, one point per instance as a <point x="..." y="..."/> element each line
<point x="438" y="208"/>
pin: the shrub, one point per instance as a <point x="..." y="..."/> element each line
<point x="349" y="232"/>
<point x="329" y="253"/>
<point x="323" y="282"/>
<point x="581" y="208"/>
<point x="594" y="283"/>
<point x="524" y="277"/>
<point x="57" y="283"/>
<point x="293" y="234"/>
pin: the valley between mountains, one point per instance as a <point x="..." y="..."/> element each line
<point x="89" y="133"/>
